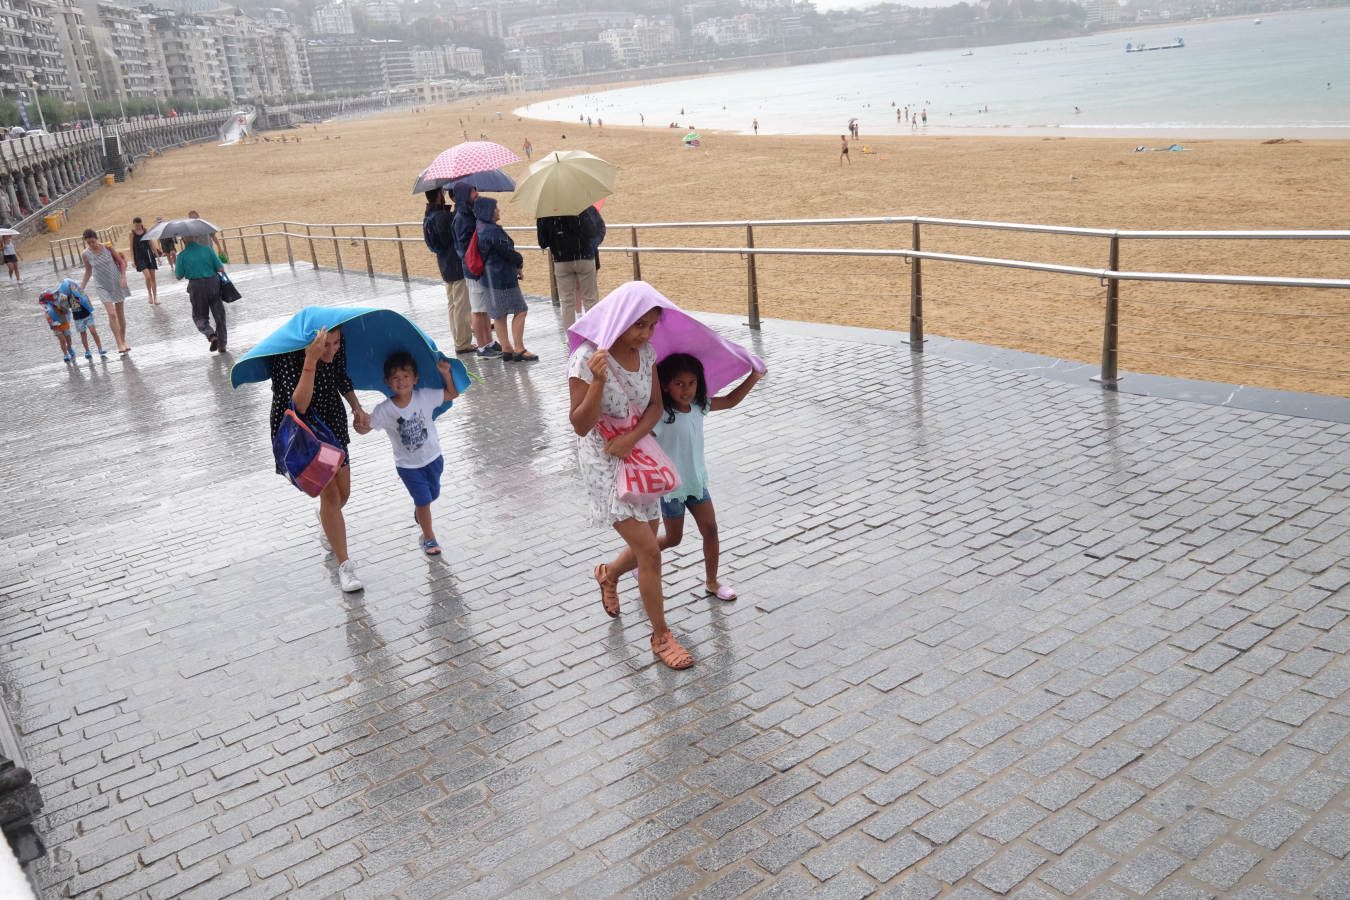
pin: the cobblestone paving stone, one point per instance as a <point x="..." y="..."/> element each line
<point x="997" y="636"/>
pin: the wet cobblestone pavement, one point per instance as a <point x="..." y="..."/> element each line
<point x="996" y="635"/>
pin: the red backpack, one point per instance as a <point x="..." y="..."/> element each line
<point x="473" y="260"/>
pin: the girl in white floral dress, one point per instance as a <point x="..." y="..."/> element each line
<point x="611" y="382"/>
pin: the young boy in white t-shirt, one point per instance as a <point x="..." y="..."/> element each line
<point x="406" y="416"/>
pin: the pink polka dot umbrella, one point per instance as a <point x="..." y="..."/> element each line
<point x="469" y="157"/>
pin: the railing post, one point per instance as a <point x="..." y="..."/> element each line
<point x="243" y="245"/>
<point x="370" y="267"/>
<point x="637" y="266"/>
<point x="52" y="247"/>
<point x="751" y="279"/>
<point x="916" y="295"/>
<point x="286" y="230"/>
<point x="1110" y="373"/>
<point x="402" y="259"/>
<point x="337" y="254"/>
<point x="262" y="234"/>
<point x="309" y="236"/>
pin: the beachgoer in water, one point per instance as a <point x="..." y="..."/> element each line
<point x="756" y="124"/>
<point x="843" y="151"/>
<point x="925" y="116"/>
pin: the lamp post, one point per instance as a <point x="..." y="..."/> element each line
<point x="84" y="89"/>
<point x="37" y="101"/>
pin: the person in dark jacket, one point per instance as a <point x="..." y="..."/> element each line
<point x="438" y="229"/>
<point x="502" y="267"/>
<point x="463" y="227"/>
<point x="569" y="242"/>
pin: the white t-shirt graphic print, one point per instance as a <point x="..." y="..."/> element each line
<point x="411" y="429"/>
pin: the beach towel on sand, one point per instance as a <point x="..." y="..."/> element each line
<point x="678" y="332"/>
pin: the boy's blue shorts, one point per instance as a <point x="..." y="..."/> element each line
<point x="425" y="483"/>
<point x="674" y="509"/>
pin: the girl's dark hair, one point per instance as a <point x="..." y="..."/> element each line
<point x="681" y="364"/>
<point x="89" y="233"/>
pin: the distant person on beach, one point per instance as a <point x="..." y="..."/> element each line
<point x="843" y="151"/>
<point x="108" y="269"/>
<point x="679" y="431"/>
<point x="502" y="268"/>
<point x="200" y="265"/>
<point x="925" y="115"/>
<point x="462" y="228"/>
<point x="143" y="258"/>
<point x="11" y="254"/>
<point x="439" y="235"/>
<point x="756" y="126"/>
<point x="612" y="383"/>
<point x="642" y="120"/>
<point x="528" y="147"/>
<point x="568" y="242"/>
<point x="315" y="382"/>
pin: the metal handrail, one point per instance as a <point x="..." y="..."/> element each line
<point x="1111" y="275"/>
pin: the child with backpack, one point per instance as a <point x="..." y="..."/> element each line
<point x="81" y="313"/>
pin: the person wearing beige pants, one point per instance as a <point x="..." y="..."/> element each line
<point x="457" y="300"/>
<point x="576" y="287"/>
<point x="438" y="232"/>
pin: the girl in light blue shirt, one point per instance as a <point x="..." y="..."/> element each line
<point x="684" y="393"/>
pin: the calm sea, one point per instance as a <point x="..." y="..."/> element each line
<point x="1232" y="77"/>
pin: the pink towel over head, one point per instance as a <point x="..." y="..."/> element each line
<point x="724" y="362"/>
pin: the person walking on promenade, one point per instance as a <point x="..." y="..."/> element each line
<point x="108" y="268"/>
<point x="685" y="402"/>
<point x="82" y="314"/>
<point x="408" y="419"/>
<point x="58" y="320"/>
<point x="502" y="268"/>
<point x="216" y="242"/>
<point x="439" y="234"/>
<point x="168" y="247"/>
<point x="11" y="255"/>
<point x="616" y="381"/>
<point x="143" y="257"/>
<point x="200" y="265"/>
<point x="462" y="228"/>
<point x="315" y="380"/>
<point x="570" y="243"/>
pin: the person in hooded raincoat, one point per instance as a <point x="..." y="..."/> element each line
<point x="502" y="267"/>
<point x="438" y="228"/>
<point x="462" y="229"/>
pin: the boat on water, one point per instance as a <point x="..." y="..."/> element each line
<point x="968" y="53"/>
<point x="1257" y="22"/>
<point x="1142" y="48"/>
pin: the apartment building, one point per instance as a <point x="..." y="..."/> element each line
<point x="30" y="50"/>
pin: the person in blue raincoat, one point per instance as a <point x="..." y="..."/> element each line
<point x="502" y="267"/>
<point x="462" y="231"/>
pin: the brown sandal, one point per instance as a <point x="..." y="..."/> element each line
<point x="671" y="653"/>
<point x="609" y="591"/>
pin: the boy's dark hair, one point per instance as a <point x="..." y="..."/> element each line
<point x="680" y="364"/>
<point x="399" y="360"/>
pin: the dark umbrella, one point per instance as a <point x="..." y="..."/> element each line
<point x="493" y="180"/>
<point x="180" y="228"/>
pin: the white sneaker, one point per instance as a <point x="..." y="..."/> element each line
<point x="347" y="577"/>
<point x="323" y="535"/>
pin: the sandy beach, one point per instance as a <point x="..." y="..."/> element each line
<point x="362" y="170"/>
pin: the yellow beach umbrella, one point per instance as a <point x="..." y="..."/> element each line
<point x="564" y="183"/>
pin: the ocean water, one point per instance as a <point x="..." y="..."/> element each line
<point x="1232" y="77"/>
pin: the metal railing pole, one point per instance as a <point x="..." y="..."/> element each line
<point x="751" y="279"/>
<point x="262" y="235"/>
<point x="916" y="295"/>
<point x="243" y="245"/>
<point x="637" y="266"/>
<point x="402" y="258"/>
<point x="309" y="236"/>
<point x="286" y="230"/>
<point x="1110" y="373"/>
<point x="370" y="266"/>
<point x="337" y="253"/>
<point x="52" y="247"/>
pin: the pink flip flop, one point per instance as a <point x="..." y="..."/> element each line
<point x="724" y="592"/>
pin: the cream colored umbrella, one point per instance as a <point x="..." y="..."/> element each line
<point x="564" y="183"/>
